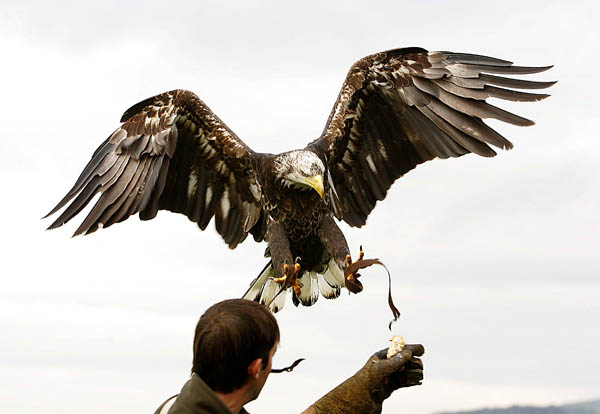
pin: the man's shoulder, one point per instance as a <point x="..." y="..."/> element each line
<point x="166" y="406"/>
<point x="195" y="398"/>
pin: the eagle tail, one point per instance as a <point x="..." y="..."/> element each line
<point x="265" y="291"/>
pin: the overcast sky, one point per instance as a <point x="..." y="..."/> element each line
<point x="495" y="262"/>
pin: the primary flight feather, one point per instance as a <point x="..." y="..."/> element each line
<point x="396" y="110"/>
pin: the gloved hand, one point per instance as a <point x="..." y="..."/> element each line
<point x="365" y="391"/>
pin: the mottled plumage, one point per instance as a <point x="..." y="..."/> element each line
<point x="396" y="109"/>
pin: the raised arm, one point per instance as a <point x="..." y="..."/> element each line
<point x="365" y="391"/>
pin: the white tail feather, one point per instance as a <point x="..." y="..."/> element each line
<point x="270" y="290"/>
<point x="334" y="275"/>
<point x="264" y="290"/>
<point x="256" y="287"/>
<point x="277" y="304"/>
<point x="328" y="291"/>
<point x="309" y="292"/>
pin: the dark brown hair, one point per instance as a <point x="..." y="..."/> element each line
<point x="229" y="336"/>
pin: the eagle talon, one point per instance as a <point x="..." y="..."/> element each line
<point x="290" y="277"/>
<point x="351" y="276"/>
<point x="352" y="283"/>
<point x="282" y="279"/>
<point x="348" y="260"/>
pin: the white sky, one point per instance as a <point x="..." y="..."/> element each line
<point x="495" y="263"/>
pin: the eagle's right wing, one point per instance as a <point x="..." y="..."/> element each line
<point x="171" y="153"/>
<point x="403" y="107"/>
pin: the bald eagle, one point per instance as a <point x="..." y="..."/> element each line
<point x="396" y="110"/>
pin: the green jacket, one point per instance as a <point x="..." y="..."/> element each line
<point x="195" y="398"/>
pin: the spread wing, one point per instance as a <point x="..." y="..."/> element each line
<point x="170" y="153"/>
<point x="400" y="108"/>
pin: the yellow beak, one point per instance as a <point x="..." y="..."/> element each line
<point x="316" y="183"/>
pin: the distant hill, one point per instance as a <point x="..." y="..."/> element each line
<point x="588" y="407"/>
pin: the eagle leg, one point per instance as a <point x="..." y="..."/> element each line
<point x="290" y="277"/>
<point x="334" y="241"/>
<point x="281" y="256"/>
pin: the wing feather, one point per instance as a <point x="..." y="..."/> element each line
<point x="484" y="80"/>
<point x="151" y="184"/>
<point x="134" y="194"/>
<point x="171" y="153"/>
<point x="151" y="209"/>
<point x="400" y="108"/>
<point x="87" y="174"/>
<point x="197" y="191"/>
<point x="105" y="205"/>
<point x="469" y="107"/>
<point x="489" y="92"/>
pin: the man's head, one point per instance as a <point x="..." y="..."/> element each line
<point x="230" y="337"/>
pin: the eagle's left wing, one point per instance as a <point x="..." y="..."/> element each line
<point x="402" y="107"/>
<point x="171" y="153"/>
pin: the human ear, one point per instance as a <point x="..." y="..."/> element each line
<point x="254" y="368"/>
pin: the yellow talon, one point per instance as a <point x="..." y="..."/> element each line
<point x="283" y="278"/>
<point x="290" y="277"/>
<point x="280" y="280"/>
<point x="352" y="283"/>
<point x="349" y="263"/>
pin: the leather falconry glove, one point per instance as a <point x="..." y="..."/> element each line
<point x="365" y="391"/>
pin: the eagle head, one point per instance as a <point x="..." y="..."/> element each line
<point x="300" y="169"/>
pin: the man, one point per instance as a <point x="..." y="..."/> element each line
<point x="234" y="344"/>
